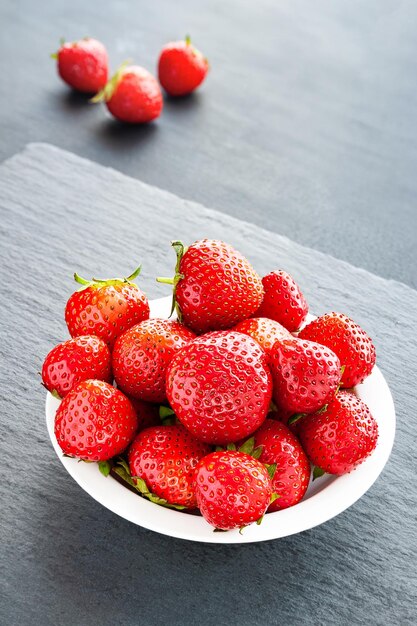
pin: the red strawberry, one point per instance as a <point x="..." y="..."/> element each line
<point x="83" y="64"/>
<point x="348" y="340"/>
<point x="181" y="68"/>
<point x="233" y="489"/>
<point x="281" y="448"/>
<point x="106" y="308"/>
<point x="280" y="415"/>
<point x="142" y="354"/>
<point x="341" y="437"/>
<point x="132" y="95"/>
<point x="283" y="301"/>
<point x="305" y="375"/>
<point x="165" y="457"/>
<point x="95" y="421"/>
<point x="215" y="287"/>
<point x="265" y="331"/>
<point x="219" y="386"/>
<point x="75" y="360"/>
<point x="147" y="413"/>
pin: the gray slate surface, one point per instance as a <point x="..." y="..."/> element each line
<point x="306" y="124"/>
<point x="65" y="560"/>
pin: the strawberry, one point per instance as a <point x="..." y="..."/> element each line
<point x="83" y="64"/>
<point x="132" y="95"/>
<point x="219" y="386"/>
<point x="181" y="68"/>
<point x="281" y="447"/>
<point x="305" y="375"/>
<point x="94" y="421"/>
<point x="142" y="354"/>
<point x="348" y="340"/>
<point x="75" y="360"/>
<point x="265" y="331"/>
<point x="341" y="437"/>
<point x="146" y="412"/>
<point x="165" y="457"/>
<point x="233" y="489"/>
<point x="215" y="287"/>
<point x="283" y="301"/>
<point x="106" y="308"/>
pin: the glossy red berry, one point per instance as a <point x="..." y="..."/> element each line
<point x="283" y="301"/>
<point x="75" y="360"/>
<point x="265" y="331"/>
<point x="181" y="68"/>
<point x="94" y="421"/>
<point x="83" y="65"/>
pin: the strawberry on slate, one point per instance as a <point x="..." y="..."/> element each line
<point x="142" y="354"/>
<point x="75" y="360"/>
<point x="265" y="331"/>
<point x="181" y="67"/>
<point x="281" y="447"/>
<point x="132" y="95"/>
<point x="348" y="340"/>
<point x="106" y="308"/>
<point x="233" y="489"/>
<point x="305" y="375"/>
<point x="83" y="64"/>
<point x="95" y="421"/>
<point x="219" y="386"/>
<point x="283" y="301"/>
<point x="341" y="437"/>
<point x="215" y="287"/>
<point x="165" y="457"/>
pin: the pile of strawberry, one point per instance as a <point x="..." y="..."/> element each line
<point x="132" y="94"/>
<point x="225" y="409"/>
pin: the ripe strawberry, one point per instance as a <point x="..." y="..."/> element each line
<point x="281" y="447"/>
<point x="146" y="412"/>
<point x="181" y="68"/>
<point x="341" y="437"/>
<point x="215" y="287"/>
<point x="132" y="95"/>
<point x="305" y="375"/>
<point x="106" y="308"/>
<point x="348" y="340"/>
<point x="142" y="354"/>
<point x="95" y="421"/>
<point x="219" y="386"/>
<point x="165" y="457"/>
<point x="83" y="64"/>
<point x="283" y="301"/>
<point x="265" y="331"/>
<point x="233" y="489"/>
<point x="75" y="360"/>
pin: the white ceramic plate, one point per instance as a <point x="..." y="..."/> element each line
<point x="326" y="497"/>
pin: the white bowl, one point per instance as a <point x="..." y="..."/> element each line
<point x="326" y="497"/>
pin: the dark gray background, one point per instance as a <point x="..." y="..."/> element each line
<point x="306" y="124"/>
<point x="67" y="561"/>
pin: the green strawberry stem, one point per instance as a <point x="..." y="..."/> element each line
<point x="294" y="418"/>
<point x="180" y="250"/>
<point x="318" y="472"/>
<point x="100" y="282"/>
<point x="187" y="40"/>
<point x="105" y="94"/>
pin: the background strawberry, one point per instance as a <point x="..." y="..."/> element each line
<point x="106" y="308"/>
<point x="215" y="287"/>
<point x="341" y="437"/>
<point x="94" y="421"/>
<point x="283" y="301"/>
<point x="83" y="64"/>
<point x="220" y="387"/>
<point x="75" y="360"/>
<point x="233" y="489"/>
<point x="146" y="412"/>
<point x="181" y="68"/>
<point x="348" y="340"/>
<point x="281" y="447"/>
<point x="305" y="375"/>
<point x="165" y="457"/>
<point x="142" y="354"/>
<point x="132" y="95"/>
<point x="265" y="331"/>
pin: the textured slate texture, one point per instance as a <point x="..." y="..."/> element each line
<point x="306" y="124"/>
<point x="65" y="560"/>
